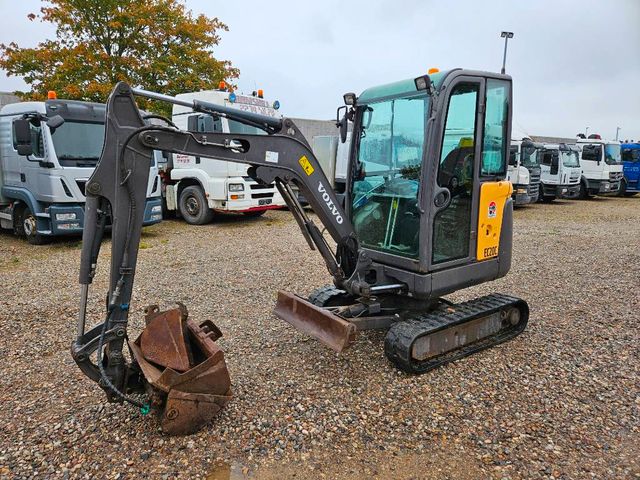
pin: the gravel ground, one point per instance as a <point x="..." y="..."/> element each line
<point x="560" y="401"/>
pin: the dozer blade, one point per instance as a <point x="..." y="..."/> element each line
<point x="333" y="331"/>
<point x="185" y="399"/>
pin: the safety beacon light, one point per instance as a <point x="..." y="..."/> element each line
<point x="260" y="93"/>
<point x="222" y="85"/>
<point x="276" y="105"/>
<point x="433" y="70"/>
<point x="51" y="95"/>
<point x="232" y="97"/>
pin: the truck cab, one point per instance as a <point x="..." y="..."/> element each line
<point x="630" y="184"/>
<point x="560" y="171"/>
<point x="524" y="171"/>
<point x="601" y="164"/>
<point x="42" y="192"/>
<point x="197" y="187"/>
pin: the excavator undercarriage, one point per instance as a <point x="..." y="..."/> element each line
<point x="420" y="219"/>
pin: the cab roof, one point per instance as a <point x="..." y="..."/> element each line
<point x="398" y="89"/>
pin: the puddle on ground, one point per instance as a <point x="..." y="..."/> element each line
<point x="228" y="471"/>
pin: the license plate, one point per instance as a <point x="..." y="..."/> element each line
<point x="264" y="201"/>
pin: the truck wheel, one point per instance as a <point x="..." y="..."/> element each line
<point x="622" y="191"/>
<point x="194" y="207"/>
<point x="584" y="191"/>
<point x="255" y="214"/>
<point x="28" y="227"/>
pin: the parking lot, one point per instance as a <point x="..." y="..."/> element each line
<point x="560" y="401"/>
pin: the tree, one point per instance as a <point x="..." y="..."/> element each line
<point x="156" y="44"/>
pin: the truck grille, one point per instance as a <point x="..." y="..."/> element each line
<point x="533" y="189"/>
<point x="260" y="191"/>
<point x="615" y="176"/>
<point x="534" y="175"/>
<point x="81" y="184"/>
<point x="574" y="177"/>
<point x="262" y="195"/>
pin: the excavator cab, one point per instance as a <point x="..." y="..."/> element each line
<point x="422" y="165"/>
<point x="426" y="212"/>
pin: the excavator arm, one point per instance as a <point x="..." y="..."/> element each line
<point x="116" y="193"/>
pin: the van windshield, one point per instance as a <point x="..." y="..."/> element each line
<point x="78" y="144"/>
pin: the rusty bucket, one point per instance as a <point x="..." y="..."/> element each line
<point x="185" y="369"/>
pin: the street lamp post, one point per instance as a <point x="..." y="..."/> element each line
<point x="506" y="36"/>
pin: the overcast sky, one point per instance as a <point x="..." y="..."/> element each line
<point x="575" y="63"/>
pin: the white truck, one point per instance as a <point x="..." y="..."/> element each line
<point x="524" y="171"/>
<point x="197" y="188"/>
<point x="561" y="171"/>
<point x="601" y="162"/>
<point x="48" y="151"/>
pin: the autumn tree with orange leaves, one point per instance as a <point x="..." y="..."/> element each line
<point x="154" y="44"/>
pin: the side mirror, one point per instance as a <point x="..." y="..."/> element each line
<point x="344" y="124"/>
<point x="55" y="122"/>
<point x="22" y="129"/>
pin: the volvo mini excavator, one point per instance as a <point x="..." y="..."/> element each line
<point x="426" y="212"/>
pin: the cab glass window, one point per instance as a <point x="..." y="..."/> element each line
<point x="452" y="225"/>
<point x="592" y="152"/>
<point x="631" y="155"/>
<point x="495" y="142"/>
<point x="386" y="180"/>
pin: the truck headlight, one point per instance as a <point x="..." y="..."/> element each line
<point x="521" y="190"/>
<point x="65" y="216"/>
<point x="156" y="209"/>
<point x="236" y="187"/>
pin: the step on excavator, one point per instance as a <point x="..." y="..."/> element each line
<point x="426" y="212"/>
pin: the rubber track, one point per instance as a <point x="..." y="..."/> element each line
<point x="321" y="296"/>
<point x="401" y="336"/>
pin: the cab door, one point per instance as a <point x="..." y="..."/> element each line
<point x="471" y="171"/>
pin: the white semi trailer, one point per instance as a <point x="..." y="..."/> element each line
<point x="601" y="162"/>
<point x="197" y="188"/>
<point x="48" y="151"/>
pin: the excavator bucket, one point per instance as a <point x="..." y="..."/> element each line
<point x="185" y="370"/>
<point x="333" y="331"/>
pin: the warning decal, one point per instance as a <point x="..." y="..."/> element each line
<point x="306" y="165"/>
<point x="492" y="210"/>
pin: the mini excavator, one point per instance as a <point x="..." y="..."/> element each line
<point x="426" y="212"/>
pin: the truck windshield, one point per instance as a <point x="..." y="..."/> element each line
<point x="529" y="157"/>
<point x="612" y="154"/>
<point x="78" y="144"/>
<point x="569" y="158"/>
<point x="237" y="127"/>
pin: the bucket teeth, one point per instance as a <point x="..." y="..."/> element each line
<point x="185" y="398"/>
